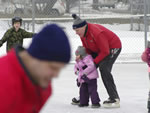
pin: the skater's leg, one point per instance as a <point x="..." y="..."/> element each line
<point x="84" y="96"/>
<point x="92" y="89"/>
<point x="109" y="83"/>
<point x="105" y="69"/>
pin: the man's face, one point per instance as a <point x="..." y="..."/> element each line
<point x="44" y="72"/>
<point x="80" y="31"/>
<point x="17" y="25"/>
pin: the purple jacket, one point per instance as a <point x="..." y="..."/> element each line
<point x="86" y="66"/>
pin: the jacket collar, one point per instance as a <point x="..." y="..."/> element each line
<point x="17" y="61"/>
<point x="87" y="30"/>
<point x="19" y="49"/>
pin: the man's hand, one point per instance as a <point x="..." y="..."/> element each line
<point x="1" y="43"/>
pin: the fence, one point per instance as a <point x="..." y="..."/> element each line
<point x="129" y="19"/>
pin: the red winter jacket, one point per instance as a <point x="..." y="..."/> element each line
<point x="100" y="40"/>
<point x="17" y="93"/>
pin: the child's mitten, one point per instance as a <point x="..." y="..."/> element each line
<point x="85" y="78"/>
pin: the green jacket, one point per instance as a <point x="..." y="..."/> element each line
<point x="14" y="38"/>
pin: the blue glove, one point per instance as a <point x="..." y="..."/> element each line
<point x="85" y="78"/>
<point x="78" y="83"/>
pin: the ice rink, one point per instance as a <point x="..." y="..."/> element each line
<point x="131" y="80"/>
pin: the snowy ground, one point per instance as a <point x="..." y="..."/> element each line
<point x="132" y="82"/>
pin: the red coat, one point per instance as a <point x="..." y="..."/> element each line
<point x="17" y="93"/>
<point x="100" y="40"/>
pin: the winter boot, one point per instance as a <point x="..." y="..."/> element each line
<point x="115" y="103"/>
<point x="75" y="101"/>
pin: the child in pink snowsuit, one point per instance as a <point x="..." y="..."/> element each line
<point x="87" y="78"/>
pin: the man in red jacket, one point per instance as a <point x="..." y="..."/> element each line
<point x="104" y="46"/>
<point x="26" y="74"/>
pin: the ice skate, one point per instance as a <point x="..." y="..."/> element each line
<point x="112" y="103"/>
<point x="75" y="101"/>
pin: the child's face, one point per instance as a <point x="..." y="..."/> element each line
<point x="78" y="57"/>
<point x="17" y="25"/>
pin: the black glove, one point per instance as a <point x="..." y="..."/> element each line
<point x="34" y="34"/>
<point x="1" y="43"/>
<point x="85" y="78"/>
<point x="78" y="83"/>
<point x="94" y="55"/>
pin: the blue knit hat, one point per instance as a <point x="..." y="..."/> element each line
<point x="51" y="44"/>
<point x="78" y="22"/>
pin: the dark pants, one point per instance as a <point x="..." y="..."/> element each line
<point x="105" y="68"/>
<point x="89" y="90"/>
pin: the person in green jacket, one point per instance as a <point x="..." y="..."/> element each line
<point x="15" y="35"/>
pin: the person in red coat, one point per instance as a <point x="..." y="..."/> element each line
<point x="104" y="46"/>
<point x="26" y="74"/>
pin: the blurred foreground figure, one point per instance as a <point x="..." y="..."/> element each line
<point x="26" y="74"/>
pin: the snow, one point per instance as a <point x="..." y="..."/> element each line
<point x="131" y="80"/>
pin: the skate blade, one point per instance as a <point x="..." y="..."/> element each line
<point x="111" y="105"/>
<point x="74" y="103"/>
<point x="95" y="107"/>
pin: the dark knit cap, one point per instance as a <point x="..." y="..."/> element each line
<point x="78" y="22"/>
<point x="81" y="51"/>
<point x="51" y="44"/>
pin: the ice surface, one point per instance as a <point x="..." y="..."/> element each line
<point x="131" y="80"/>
